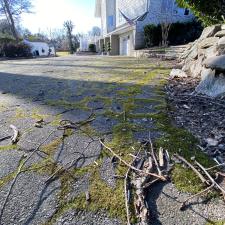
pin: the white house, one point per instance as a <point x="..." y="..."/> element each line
<point x="123" y="21"/>
<point x="40" y="48"/>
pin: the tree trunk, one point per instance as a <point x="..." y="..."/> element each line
<point x="10" y="18"/>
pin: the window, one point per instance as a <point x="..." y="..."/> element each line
<point x="110" y="21"/>
<point x="186" y="12"/>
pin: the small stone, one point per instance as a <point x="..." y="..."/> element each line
<point x="212" y="142"/>
<point x="221" y="147"/>
<point x="177" y="73"/>
<point x="145" y="120"/>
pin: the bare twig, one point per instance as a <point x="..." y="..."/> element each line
<point x="154" y="156"/>
<point x="192" y="167"/>
<point x="210" y="177"/>
<point x="196" y="195"/>
<point x="15" y="134"/>
<point x="125" y="188"/>
<point x="132" y="167"/>
<point x="214" y="167"/>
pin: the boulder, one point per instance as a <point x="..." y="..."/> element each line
<point x="177" y="73"/>
<point x="208" y="42"/>
<point x="216" y="62"/>
<point x="211" y="85"/>
<point x="223" y="27"/>
<point x="221" y="42"/>
<point x="210" y="31"/>
<point x="187" y="65"/>
<point x="196" y="67"/>
<point x="220" y="33"/>
<point x="208" y="52"/>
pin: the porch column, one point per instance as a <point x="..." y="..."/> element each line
<point x="115" y="45"/>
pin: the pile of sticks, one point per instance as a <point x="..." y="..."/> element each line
<point x="145" y="170"/>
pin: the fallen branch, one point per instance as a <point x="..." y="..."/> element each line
<point x="210" y="177"/>
<point x="125" y="188"/>
<point x="192" y="167"/>
<point x="154" y="156"/>
<point x="5" y="138"/>
<point x="15" y="134"/>
<point x="132" y="167"/>
<point x="196" y="195"/>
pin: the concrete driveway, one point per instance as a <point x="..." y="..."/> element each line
<point x="62" y="107"/>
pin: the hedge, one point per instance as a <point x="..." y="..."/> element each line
<point x="180" y="33"/>
<point x="16" y="50"/>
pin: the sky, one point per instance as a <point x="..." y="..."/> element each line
<point x="50" y="14"/>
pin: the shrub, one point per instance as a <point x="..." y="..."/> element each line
<point x="180" y="33"/>
<point x="92" y="47"/>
<point x="152" y="35"/>
<point x="109" y="48"/>
<point x="16" y="50"/>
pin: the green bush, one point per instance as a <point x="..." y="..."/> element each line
<point x="180" y="33"/>
<point x="109" y="48"/>
<point x="16" y="50"/>
<point x="92" y="47"/>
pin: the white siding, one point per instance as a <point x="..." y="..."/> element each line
<point x="156" y="15"/>
<point x="131" y="8"/>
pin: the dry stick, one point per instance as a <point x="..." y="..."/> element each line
<point x="154" y="156"/>
<point x="125" y="189"/>
<point x="210" y="177"/>
<point x="132" y="167"/>
<point x="192" y="167"/>
<point x="214" y="167"/>
<point x="15" y="134"/>
<point x="18" y="173"/>
<point x="196" y="195"/>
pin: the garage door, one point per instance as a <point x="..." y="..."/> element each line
<point x="125" y="46"/>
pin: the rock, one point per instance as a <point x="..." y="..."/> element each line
<point x="177" y="73"/>
<point x="208" y="42"/>
<point x="212" y="142"/>
<point x="220" y="33"/>
<point x="208" y="52"/>
<point x="216" y="62"/>
<point x="196" y="67"/>
<point x="223" y="27"/>
<point x="221" y="42"/>
<point x="211" y="85"/>
<point x="210" y="31"/>
<point x="221" y="147"/>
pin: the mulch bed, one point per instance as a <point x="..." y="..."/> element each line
<point x="204" y="117"/>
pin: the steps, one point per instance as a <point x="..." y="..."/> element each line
<point x="172" y="52"/>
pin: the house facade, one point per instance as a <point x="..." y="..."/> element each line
<point x="123" y="22"/>
<point x="41" y="48"/>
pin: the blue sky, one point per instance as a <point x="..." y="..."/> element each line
<point x="50" y="14"/>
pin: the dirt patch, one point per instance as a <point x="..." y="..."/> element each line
<point x="204" y="117"/>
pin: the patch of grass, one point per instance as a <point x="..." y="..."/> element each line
<point x="38" y="116"/>
<point x="181" y="175"/>
<point x="62" y="53"/>
<point x="8" y="147"/>
<point x="216" y="223"/>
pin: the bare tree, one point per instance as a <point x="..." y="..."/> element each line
<point x="12" y="9"/>
<point x="165" y="20"/>
<point x="69" y="29"/>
